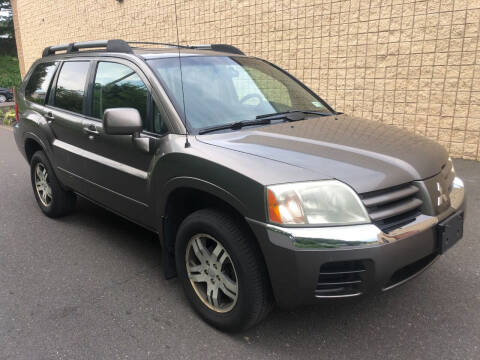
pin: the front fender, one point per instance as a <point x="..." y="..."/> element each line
<point x="201" y="185"/>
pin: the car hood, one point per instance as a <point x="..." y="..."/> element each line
<point x="367" y="155"/>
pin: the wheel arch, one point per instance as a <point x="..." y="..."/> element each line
<point x="32" y="144"/>
<point x="174" y="208"/>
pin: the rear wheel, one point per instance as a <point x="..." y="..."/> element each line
<point x="52" y="199"/>
<point x="222" y="270"/>
<point x="3" y="98"/>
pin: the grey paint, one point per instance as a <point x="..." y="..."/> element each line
<point x="122" y="121"/>
<point x="114" y="172"/>
<point x="367" y="155"/>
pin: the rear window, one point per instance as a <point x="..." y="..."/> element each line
<point x="37" y="86"/>
<point x="70" y="91"/>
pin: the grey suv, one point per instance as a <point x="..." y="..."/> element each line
<point x="259" y="191"/>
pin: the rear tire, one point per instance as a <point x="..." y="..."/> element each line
<point x="52" y="199"/>
<point x="237" y="262"/>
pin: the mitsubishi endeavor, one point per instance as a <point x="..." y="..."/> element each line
<point x="259" y="191"/>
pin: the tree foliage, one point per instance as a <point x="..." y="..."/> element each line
<point x="6" y="19"/>
<point x="9" y="72"/>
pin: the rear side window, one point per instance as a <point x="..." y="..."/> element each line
<point x="117" y="85"/>
<point x="70" y="91"/>
<point x="37" y="86"/>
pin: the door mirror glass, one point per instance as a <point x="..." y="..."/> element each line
<point x="122" y="121"/>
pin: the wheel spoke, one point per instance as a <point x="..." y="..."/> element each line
<point x="198" y="277"/>
<point x="212" y="294"/>
<point x="217" y="251"/>
<point x="195" y="268"/>
<point x="200" y="251"/>
<point x="39" y="173"/>
<point x="228" y="287"/>
<point x="44" y="196"/>
<point x="223" y="258"/>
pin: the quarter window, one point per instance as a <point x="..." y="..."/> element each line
<point x="70" y="91"/>
<point x="117" y="85"/>
<point x="37" y="87"/>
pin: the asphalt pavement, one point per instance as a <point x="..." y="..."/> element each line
<point x="90" y="286"/>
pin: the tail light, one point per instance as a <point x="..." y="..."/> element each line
<point x="17" y="117"/>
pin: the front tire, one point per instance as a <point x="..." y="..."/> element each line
<point x="52" y="199"/>
<point x="222" y="271"/>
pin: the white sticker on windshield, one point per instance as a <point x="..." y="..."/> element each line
<point x="317" y="103"/>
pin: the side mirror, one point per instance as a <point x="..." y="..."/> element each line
<point x="122" y="121"/>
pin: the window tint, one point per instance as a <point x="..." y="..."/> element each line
<point x="117" y="85"/>
<point x="70" y="89"/>
<point x="37" y="87"/>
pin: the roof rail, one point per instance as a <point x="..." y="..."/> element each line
<point x="124" y="47"/>
<point x="219" y="47"/>
<point x="214" y="47"/>
<point x="110" y="45"/>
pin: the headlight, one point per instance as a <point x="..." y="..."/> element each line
<point x="327" y="202"/>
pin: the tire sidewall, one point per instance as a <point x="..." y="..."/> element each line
<point x="232" y="319"/>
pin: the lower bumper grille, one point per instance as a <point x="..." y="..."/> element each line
<point x="409" y="271"/>
<point x="342" y="279"/>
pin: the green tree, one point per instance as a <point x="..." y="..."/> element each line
<point x="6" y="19"/>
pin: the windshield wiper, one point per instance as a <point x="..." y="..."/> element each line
<point x="289" y="115"/>
<point x="236" y="125"/>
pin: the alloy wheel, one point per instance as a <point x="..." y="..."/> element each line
<point x="3" y="98"/>
<point x="42" y="185"/>
<point x="212" y="273"/>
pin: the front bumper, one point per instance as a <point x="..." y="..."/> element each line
<point x="358" y="258"/>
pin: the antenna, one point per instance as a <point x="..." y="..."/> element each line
<point x="187" y="143"/>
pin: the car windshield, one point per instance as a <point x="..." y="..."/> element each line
<point x="221" y="90"/>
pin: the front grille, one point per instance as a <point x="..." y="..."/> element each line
<point x="393" y="207"/>
<point x="341" y="279"/>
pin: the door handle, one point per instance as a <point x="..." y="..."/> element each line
<point x="92" y="131"/>
<point x="49" y="116"/>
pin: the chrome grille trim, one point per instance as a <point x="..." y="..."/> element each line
<point x="393" y="207"/>
<point x="396" y="209"/>
<point x="389" y="197"/>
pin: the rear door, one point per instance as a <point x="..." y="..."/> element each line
<point x="65" y="113"/>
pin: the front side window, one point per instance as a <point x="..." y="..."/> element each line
<point x="70" y="91"/>
<point x="37" y="86"/>
<point x="221" y="90"/>
<point x="117" y="85"/>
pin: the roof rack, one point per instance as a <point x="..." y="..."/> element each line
<point x="110" y="45"/>
<point x="123" y="46"/>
